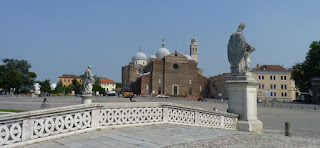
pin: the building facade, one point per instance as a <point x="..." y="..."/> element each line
<point x="66" y="79"/>
<point x="218" y="87"/>
<point x="107" y="84"/>
<point x="164" y="73"/>
<point x="274" y="83"/>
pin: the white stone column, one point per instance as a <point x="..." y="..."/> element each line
<point x="196" y="117"/>
<point x="27" y="129"/>
<point x="242" y="93"/>
<point x="95" y="118"/>
<point x="165" y="115"/>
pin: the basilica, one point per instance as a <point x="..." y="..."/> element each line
<point x="169" y="73"/>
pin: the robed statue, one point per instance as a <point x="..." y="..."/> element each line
<point x="239" y="52"/>
<point x="88" y="81"/>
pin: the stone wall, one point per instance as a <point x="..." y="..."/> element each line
<point x="29" y="127"/>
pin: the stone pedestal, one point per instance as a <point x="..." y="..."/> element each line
<point x="242" y="91"/>
<point x="86" y="98"/>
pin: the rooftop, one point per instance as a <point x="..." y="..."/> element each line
<point x="105" y="80"/>
<point x="277" y="68"/>
<point x="69" y="76"/>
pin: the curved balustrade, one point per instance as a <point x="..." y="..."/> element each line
<point x="35" y="126"/>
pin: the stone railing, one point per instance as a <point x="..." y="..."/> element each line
<point x="35" y="126"/>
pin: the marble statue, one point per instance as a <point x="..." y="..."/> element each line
<point x="88" y="81"/>
<point x="239" y="52"/>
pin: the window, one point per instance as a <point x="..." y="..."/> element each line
<point x="318" y="89"/>
<point x="261" y="86"/>
<point x="200" y="88"/>
<point x="190" y="91"/>
<point x="283" y="86"/>
<point x="190" y="81"/>
<point x="261" y="77"/>
<point x="175" y="66"/>
<point x="273" y="86"/>
<point x="272" y="77"/>
<point x="159" y="80"/>
<point x="283" y="94"/>
<point x="283" y="77"/>
<point x="273" y="94"/>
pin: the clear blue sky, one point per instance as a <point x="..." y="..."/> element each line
<point x="65" y="36"/>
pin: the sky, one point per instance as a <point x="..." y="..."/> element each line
<point x="65" y="36"/>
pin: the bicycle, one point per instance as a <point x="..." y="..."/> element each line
<point x="45" y="105"/>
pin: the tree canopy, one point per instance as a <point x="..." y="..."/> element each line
<point x="45" y="86"/>
<point x="303" y="72"/>
<point x="16" y="74"/>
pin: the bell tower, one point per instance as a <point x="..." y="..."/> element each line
<point x="194" y="49"/>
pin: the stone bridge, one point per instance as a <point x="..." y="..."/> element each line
<point x="35" y="126"/>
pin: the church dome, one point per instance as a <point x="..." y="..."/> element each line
<point x="162" y="52"/>
<point x="152" y="56"/>
<point x="139" y="56"/>
<point x="194" y="40"/>
<point x="188" y="56"/>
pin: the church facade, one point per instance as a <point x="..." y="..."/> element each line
<point x="166" y="73"/>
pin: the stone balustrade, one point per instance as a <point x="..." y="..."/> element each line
<point x="29" y="127"/>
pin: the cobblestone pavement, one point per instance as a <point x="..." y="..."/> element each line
<point x="142" y="136"/>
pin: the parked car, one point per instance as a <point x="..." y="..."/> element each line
<point x="201" y="99"/>
<point x="162" y="96"/>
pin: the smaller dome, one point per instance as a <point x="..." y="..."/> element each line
<point x="194" y="40"/>
<point x="188" y="56"/>
<point x="152" y="56"/>
<point x="139" y="56"/>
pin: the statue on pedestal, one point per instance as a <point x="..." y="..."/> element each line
<point x="239" y="52"/>
<point x="88" y="81"/>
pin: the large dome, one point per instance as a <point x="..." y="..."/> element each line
<point x="139" y="56"/>
<point x="162" y="52"/>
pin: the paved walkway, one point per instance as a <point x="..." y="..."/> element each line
<point x="141" y="136"/>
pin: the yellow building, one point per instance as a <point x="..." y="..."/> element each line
<point x="275" y="83"/>
<point x="107" y="84"/>
<point x="66" y="79"/>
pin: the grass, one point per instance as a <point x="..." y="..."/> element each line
<point x="11" y="110"/>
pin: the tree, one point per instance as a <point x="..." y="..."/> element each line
<point x="11" y="79"/>
<point x="22" y="67"/>
<point x="118" y="85"/>
<point x="77" y="86"/>
<point x="97" y="87"/>
<point x="303" y="72"/>
<point x="59" y="88"/>
<point x="45" y="86"/>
